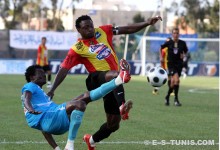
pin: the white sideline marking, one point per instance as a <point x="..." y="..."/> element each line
<point x="62" y="142"/>
<point x="123" y="142"/>
<point x="196" y="91"/>
<point x="201" y="91"/>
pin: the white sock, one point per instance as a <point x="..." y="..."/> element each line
<point x="157" y="88"/>
<point x="69" y="145"/>
<point x="57" y="148"/>
<point x="118" y="80"/>
<point x="91" y="141"/>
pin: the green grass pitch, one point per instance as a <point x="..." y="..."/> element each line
<point x="151" y="122"/>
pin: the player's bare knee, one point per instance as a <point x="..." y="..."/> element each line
<point x="76" y="104"/>
<point x="176" y="82"/>
<point x="84" y="97"/>
<point x="80" y="105"/>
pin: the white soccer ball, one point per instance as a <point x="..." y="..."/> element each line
<point x="157" y="76"/>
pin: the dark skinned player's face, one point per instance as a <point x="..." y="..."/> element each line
<point x="86" y="29"/>
<point x="44" y="41"/>
<point x="39" y="78"/>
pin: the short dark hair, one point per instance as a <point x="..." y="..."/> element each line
<point x="80" y="19"/>
<point x="30" y="71"/>
<point x="43" y="38"/>
<point x="176" y="29"/>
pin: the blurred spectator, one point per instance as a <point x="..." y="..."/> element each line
<point x="42" y="60"/>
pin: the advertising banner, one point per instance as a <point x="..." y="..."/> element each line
<point x="14" y="66"/>
<point x="19" y="66"/>
<point x="30" y="40"/>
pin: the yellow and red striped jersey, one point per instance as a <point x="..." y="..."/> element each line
<point x="42" y="55"/>
<point x="97" y="53"/>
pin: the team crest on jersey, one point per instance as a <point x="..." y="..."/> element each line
<point x="101" y="50"/>
<point x="175" y="50"/>
<point x="97" y="35"/>
<point x="79" y="45"/>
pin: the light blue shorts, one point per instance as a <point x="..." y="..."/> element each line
<point x="55" y="120"/>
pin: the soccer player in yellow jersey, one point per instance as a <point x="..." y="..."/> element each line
<point x="163" y="55"/>
<point x="42" y="60"/>
<point x="96" y="52"/>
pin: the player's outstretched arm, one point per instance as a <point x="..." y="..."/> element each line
<point x="137" y="26"/>
<point x="27" y="103"/>
<point x="61" y="75"/>
<point x="51" y="140"/>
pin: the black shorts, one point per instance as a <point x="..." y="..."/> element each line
<point x="95" y="80"/>
<point x="174" y="68"/>
<point x="46" y="68"/>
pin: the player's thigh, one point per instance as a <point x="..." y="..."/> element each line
<point x="55" y="120"/>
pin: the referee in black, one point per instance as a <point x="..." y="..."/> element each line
<point x="176" y="50"/>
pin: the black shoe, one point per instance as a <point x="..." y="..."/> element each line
<point x="177" y="103"/>
<point x="167" y="101"/>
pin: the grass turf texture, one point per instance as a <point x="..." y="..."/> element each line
<point x="149" y="119"/>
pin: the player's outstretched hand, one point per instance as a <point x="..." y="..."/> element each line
<point x="153" y="20"/>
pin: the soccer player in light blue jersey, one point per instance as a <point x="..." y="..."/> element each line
<point x="43" y="114"/>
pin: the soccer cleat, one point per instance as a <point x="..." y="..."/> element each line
<point x="177" y="103"/>
<point x="155" y="92"/>
<point x="125" y="108"/>
<point x="86" y="139"/>
<point x="124" y="71"/>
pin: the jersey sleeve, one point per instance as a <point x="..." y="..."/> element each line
<point x="28" y="87"/>
<point x="72" y="59"/>
<point x="164" y="45"/>
<point x="108" y="30"/>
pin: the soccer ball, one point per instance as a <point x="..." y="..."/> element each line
<point x="157" y="76"/>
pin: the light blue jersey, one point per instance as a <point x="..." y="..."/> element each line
<point x="53" y="118"/>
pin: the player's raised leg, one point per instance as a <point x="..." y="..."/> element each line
<point x="123" y="77"/>
<point x="77" y="115"/>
